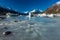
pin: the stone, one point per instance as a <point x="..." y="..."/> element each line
<point x="7" y="33"/>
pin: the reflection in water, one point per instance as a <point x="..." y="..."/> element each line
<point x="37" y="28"/>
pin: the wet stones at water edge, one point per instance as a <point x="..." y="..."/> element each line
<point x="2" y="17"/>
<point x="31" y="23"/>
<point x="15" y="21"/>
<point x="5" y="28"/>
<point x="7" y="33"/>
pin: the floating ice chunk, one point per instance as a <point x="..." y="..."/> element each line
<point x="50" y="15"/>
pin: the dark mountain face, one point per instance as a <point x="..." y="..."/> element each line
<point x="4" y="11"/>
<point x="53" y="9"/>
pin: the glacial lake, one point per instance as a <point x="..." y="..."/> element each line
<point x="37" y="28"/>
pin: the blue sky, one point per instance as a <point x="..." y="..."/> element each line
<point x="27" y="5"/>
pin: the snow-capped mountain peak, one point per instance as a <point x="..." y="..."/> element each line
<point x="33" y="10"/>
<point x="26" y="12"/>
<point x="55" y="8"/>
<point x="36" y="10"/>
<point x="40" y="10"/>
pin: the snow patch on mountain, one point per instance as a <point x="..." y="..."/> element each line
<point x="36" y="10"/>
<point x="26" y="12"/>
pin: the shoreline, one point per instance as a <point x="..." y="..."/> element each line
<point x="48" y="15"/>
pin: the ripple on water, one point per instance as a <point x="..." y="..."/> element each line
<point x="35" y="29"/>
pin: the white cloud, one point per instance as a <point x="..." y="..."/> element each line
<point x="58" y="2"/>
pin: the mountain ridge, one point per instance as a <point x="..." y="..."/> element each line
<point x="54" y="9"/>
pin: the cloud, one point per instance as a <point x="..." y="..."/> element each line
<point x="58" y="2"/>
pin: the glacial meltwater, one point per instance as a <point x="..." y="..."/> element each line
<point x="37" y="28"/>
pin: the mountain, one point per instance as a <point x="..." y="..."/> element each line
<point x="4" y="11"/>
<point x="26" y="12"/>
<point x="55" y="8"/>
<point x="36" y="11"/>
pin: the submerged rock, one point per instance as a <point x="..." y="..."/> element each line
<point x="1" y="18"/>
<point x="31" y="23"/>
<point x="5" y="28"/>
<point x="7" y="33"/>
<point x="15" y="21"/>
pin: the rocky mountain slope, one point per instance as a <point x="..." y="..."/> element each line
<point x="55" y="8"/>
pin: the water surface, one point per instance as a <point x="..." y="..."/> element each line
<point x="37" y="28"/>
